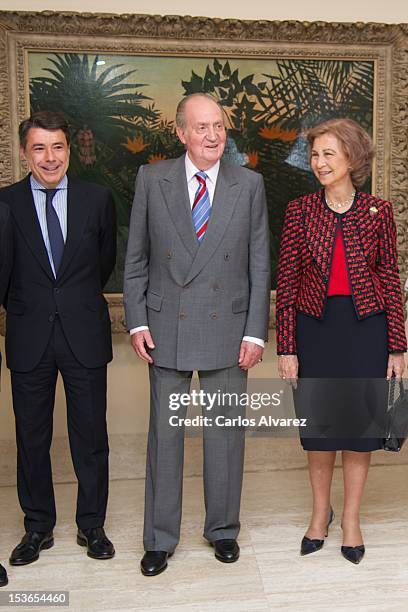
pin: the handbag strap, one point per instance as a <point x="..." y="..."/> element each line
<point x="391" y="391"/>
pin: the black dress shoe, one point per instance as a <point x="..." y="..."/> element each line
<point x="226" y="551"/>
<point x="354" y="554"/>
<point x="98" y="545"/>
<point x="154" y="562"/>
<point x="30" y="546"/>
<point x="308" y="546"/>
<point x="3" y="576"/>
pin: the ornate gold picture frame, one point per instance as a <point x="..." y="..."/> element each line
<point x="385" y="46"/>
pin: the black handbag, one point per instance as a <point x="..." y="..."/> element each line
<point x="396" y="417"/>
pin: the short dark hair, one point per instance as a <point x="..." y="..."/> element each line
<point x="356" y="143"/>
<point x="181" y="106"/>
<point x="47" y="120"/>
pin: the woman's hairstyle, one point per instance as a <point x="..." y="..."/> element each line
<point x="356" y="143"/>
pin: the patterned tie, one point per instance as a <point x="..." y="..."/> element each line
<point x="54" y="229"/>
<point x="201" y="206"/>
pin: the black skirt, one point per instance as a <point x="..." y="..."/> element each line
<point x="342" y="391"/>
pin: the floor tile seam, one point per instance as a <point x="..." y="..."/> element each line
<point x="199" y="475"/>
<point x="265" y="594"/>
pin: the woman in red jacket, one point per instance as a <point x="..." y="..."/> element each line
<point x="339" y="316"/>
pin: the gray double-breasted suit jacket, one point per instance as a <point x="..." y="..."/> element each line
<point x="198" y="300"/>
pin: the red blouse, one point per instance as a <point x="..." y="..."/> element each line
<point x="339" y="283"/>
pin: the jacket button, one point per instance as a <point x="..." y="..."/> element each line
<point x="182" y="315"/>
<point x="56" y="290"/>
<point x="51" y="318"/>
<point x="216" y="287"/>
<point x="214" y="315"/>
<point x="168" y="255"/>
<point x="226" y="256"/>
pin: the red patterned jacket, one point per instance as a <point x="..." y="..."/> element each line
<point x="305" y="260"/>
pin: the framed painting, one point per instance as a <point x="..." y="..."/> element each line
<point x="118" y="80"/>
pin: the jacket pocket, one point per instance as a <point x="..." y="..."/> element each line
<point x="240" y="304"/>
<point x="154" y="301"/>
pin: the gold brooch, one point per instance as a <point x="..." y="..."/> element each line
<point x="373" y="210"/>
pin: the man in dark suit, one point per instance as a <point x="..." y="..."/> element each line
<point x="197" y="298"/>
<point x="64" y="236"/>
<point x="6" y="254"/>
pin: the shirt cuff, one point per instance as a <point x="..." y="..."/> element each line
<point x="136" y="329"/>
<point x="257" y="341"/>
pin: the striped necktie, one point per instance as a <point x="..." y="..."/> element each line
<point x="54" y="229"/>
<point x="201" y="206"/>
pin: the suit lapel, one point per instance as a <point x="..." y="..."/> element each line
<point x="25" y="215"/>
<point x="175" y="194"/>
<point x="225" y="199"/>
<point x="78" y="209"/>
<point x="320" y="228"/>
<point x="358" y="250"/>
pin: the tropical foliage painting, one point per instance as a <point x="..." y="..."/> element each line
<point x="121" y="112"/>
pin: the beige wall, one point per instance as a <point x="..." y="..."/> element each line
<point x="128" y="389"/>
<point x="393" y="11"/>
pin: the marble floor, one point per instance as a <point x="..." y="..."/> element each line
<point x="270" y="574"/>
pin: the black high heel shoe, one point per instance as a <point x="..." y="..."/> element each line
<point x="354" y="554"/>
<point x="309" y="546"/>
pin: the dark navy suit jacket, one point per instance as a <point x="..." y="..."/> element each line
<point x="35" y="295"/>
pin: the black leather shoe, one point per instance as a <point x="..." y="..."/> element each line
<point x="154" y="562"/>
<point x="98" y="545"/>
<point x="354" y="554"/>
<point x="308" y="546"/>
<point x="226" y="551"/>
<point x="3" y="576"/>
<point x="30" y="547"/>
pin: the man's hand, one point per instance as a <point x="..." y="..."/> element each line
<point x="288" y="366"/>
<point x="396" y="365"/>
<point x="249" y="354"/>
<point x="139" y="341"/>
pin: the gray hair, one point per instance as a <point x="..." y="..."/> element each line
<point x="181" y="106"/>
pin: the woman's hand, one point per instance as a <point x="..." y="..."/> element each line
<point x="288" y="366"/>
<point x="396" y="365"/>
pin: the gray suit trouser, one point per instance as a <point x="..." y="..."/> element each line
<point x="223" y="458"/>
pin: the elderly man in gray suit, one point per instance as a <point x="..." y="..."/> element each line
<point x="196" y="294"/>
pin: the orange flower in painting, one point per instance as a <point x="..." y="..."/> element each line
<point x="135" y="145"/>
<point x="152" y="159"/>
<point x="277" y="133"/>
<point x="253" y="158"/>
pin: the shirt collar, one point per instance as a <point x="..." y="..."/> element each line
<point x="191" y="170"/>
<point x="63" y="184"/>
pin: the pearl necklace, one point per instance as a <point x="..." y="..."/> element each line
<point x="338" y="205"/>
